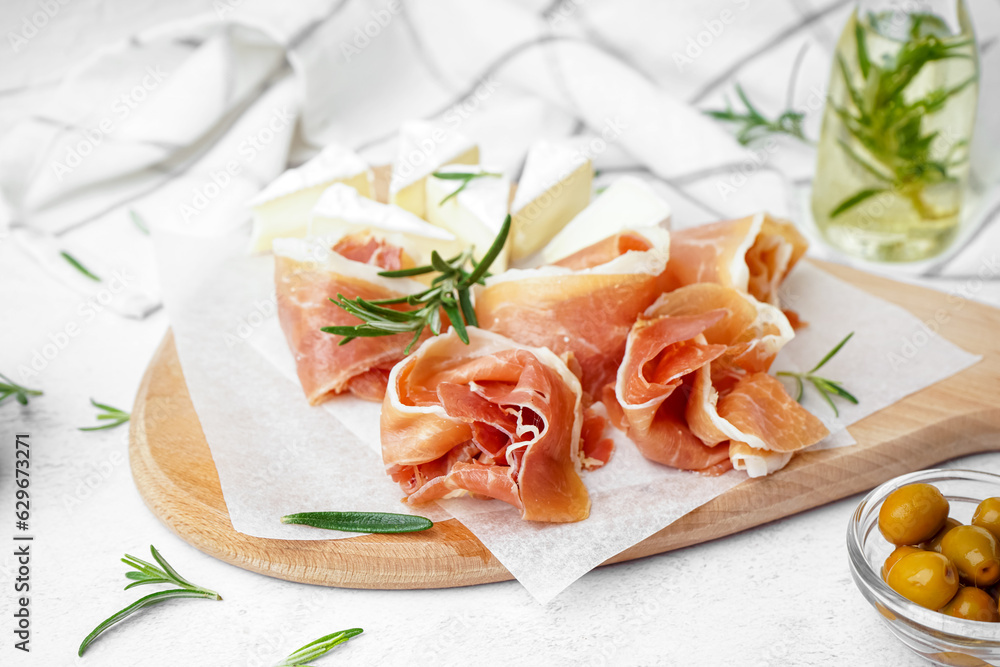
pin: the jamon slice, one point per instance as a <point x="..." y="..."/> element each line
<point x="653" y="385"/>
<point x="306" y="276"/>
<point x="752" y="254"/>
<point x="586" y="306"/>
<point x="493" y="418"/>
<point x="766" y="417"/>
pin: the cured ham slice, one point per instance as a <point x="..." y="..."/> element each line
<point x="766" y="417"/>
<point x="585" y="306"/>
<point x="693" y="390"/>
<point x="493" y="418"/>
<point x="653" y="384"/>
<point x="752" y="254"/>
<point x="307" y="274"/>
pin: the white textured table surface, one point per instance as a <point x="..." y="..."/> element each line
<point x="780" y="594"/>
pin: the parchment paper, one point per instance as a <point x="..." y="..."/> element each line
<point x="276" y="455"/>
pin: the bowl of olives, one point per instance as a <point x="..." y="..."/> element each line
<point x="925" y="552"/>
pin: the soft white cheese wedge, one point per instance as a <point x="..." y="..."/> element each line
<point x="475" y="214"/>
<point x="282" y="208"/>
<point x="423" y="148"/>
<point x="554" y="187"/>
<point x="341" y="211"/>
<point x="628" y="203"/>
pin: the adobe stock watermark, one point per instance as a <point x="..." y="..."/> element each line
<point x="740" y="175"/>
<point x="714" y="28"/>
<point x="221" y="178"/>
<point x="34" y="23"/>
<point x="363" y="35"/>
<point x="453" y="118"/>
<point x="262" y="311"/>
<point x="612" y="129"/>
<point x="911" y="345"/>
<point x="123" y="106"/>
<point x="562" y="11"/>
<point x="88" y="310"/>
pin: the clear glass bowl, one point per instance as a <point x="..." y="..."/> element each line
<point x="944" y="640"/>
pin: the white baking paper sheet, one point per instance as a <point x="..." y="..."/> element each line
<point x="277" y="455"/>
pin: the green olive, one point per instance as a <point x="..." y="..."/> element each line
<point x="975" y="553"/>
<point x="912" y="514"/>
<point x="894" y="558"/>
<point x="924" y="577"/>
<point x="988" y="516"/>
<point x="934" y="544"/>
<point x="972" y="604"/>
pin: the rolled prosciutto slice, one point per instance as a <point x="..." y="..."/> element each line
<point x="700" y="356"/>
<point x="653" y="385"/>
<point x="752" y="254"/>
<point x="308" y="272"/>
<point x="585" y="305"/>
<point x="494" y="419"/>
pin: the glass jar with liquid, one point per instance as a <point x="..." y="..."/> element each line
<point x="893" y="158"/>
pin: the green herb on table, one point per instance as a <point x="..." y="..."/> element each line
<point x="113" y="416"/>
<point x="465" y="176"/>
<point x="11" y="388"/>
<point x="828" y="389"/>
<point x="138" y="221"/>
<point x="318" y="648"/>
<point x="75" y="263"/>
<point x="890" y="141"/>
<point x="449" y="291"/>
<point x="148" y="573"/>
<point x="753" y="124"/>
<point x="360" y="522"/>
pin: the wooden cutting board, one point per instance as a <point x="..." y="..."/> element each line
<point x="173" y="469"/>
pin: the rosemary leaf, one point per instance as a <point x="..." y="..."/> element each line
<point x="827" y="388"/>
<point x="147" y="573"/>
<point x="118" y="417"/>
<point x="360" y="522"/>
<point x="75" y="263"/>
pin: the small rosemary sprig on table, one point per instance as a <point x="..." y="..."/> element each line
<point x="826" y="388"/>
<point x="147" y="573"/>
<point x="754" y="125"/>
<point x="449" y="291"/>
<point x="11" y="388"/>
<point x="76" y="264"/>
<point x="318" y="648"/>
<point x="112" y="415"/>
<point x="465" y="176"/>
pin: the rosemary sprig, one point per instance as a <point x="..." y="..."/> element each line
<point x="11" y="388"/>
<point x="75" y="263"/>
<point x="113" y="416"/>
<point x="754" y="125"/>
<point x="318" y="648"/>
<point x="826" y="388"/>
<point x="360" y="522"/>
<point x="465" y="176"/>
<point x="138" y="221"/>
<point x="449" y="291"/>
<point x="889" y="140"/>
<point x="148" y="573"/>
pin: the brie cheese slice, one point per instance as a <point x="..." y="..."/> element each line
<point x="628" y="203"/>
<point x="554" y="187"/>
<point x="282" y="208"/>
<point x="341" y="211"/>
<point x="423" y="148"/>
<point x="475" y="214"/>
